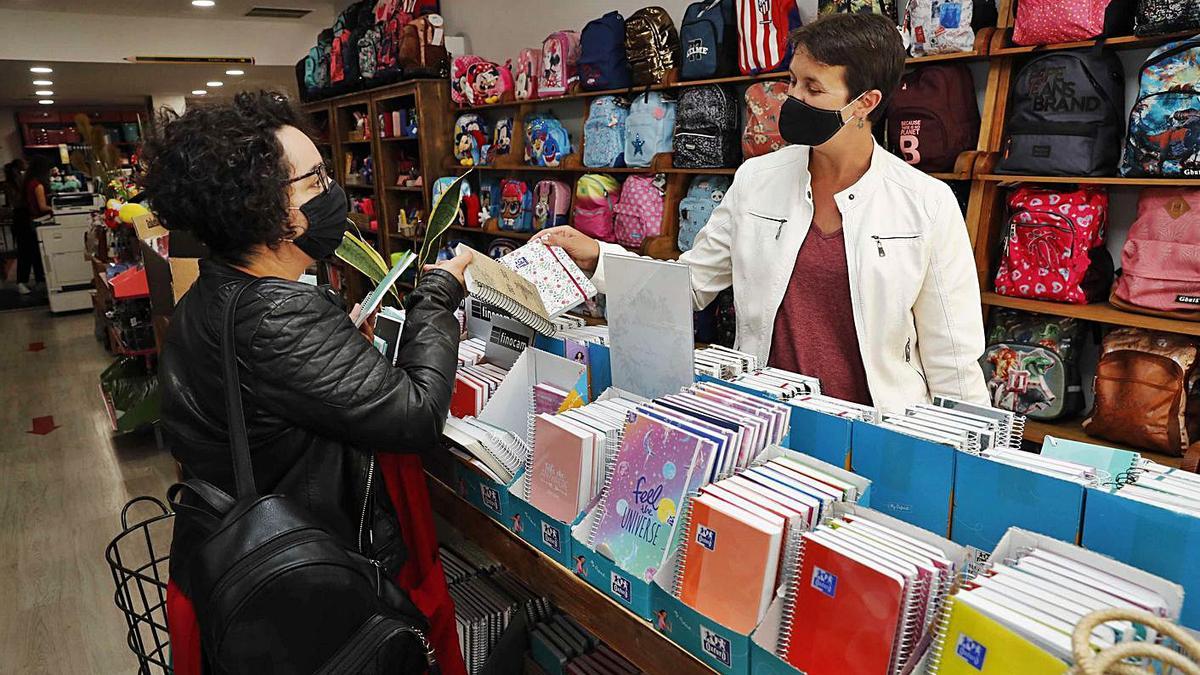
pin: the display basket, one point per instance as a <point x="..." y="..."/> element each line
<point x="140" y="574"/>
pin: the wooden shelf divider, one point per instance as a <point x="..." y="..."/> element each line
<point x="1100" y="312"/>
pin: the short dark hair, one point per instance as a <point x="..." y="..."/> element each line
<point x="219" y="172"/>
<point x="867" y="45"/>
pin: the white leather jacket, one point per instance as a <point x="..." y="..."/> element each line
<point x="913" y="284"/>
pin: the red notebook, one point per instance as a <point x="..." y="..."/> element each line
<point x="846" y="610"/>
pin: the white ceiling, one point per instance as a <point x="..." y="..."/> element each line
<point x="128" y="83"/>
<point x="322" y="10"/>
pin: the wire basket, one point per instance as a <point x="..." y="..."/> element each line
<point x="140" y="574"/>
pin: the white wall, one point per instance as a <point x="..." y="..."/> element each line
<point x="500" y="29"/>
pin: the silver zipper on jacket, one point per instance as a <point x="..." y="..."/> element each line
<point x="362" y="520"/>
<point x="781" y="221"/>
<point x="879" y="242"/>
<point x="908" y="359"/>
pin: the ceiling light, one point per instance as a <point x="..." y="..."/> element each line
<point x="203" y="3"/>
<point x="42" y="83"/>
<point x="43" y="92"/>
<point x="41" y="69"/>
<point x="198" y="92"/>
<point x="46" y="101"/>
<point x="235" y="72"/>
<point x="214" y="84"/>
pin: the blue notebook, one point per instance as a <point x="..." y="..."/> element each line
<point x="1118" y="463"/>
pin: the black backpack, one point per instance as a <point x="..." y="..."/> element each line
<point x="707" y="128"/>
<point x="651" y="43"/>
<point x="709" y="40"/>
<point x="1067" y="116"/>
<point x="273" y="590"/>
<point x="1154" y="17"/>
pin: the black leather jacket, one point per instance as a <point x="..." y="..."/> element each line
<point x="319" y="399"/>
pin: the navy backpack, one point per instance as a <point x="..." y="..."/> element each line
<point x="602" y="61"/>
<point x="708" y="37"/>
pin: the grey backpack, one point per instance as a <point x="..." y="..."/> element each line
<point x="707" y="133"/>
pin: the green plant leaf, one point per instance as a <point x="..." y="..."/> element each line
<point x="445" y="210"/>
<point x="363" y="257"/>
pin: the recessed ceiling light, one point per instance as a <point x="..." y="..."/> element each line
<point x="41" y="69"/>
<point x="203" y="3"/>
<point x="46" y="101"/>
<point x="214" y="84"/>
<point x="235" y="72"/>
<point x="42" y="83"/>
<point x="198" y="92"/>
<point x="43" y="92"/>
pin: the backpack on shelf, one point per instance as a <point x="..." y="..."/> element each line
<point x="706" y="128"/>
<point x="651" y="44"/>
<point x="1031" y="364"/>
<point x="551" y="204"/>
<point x="938" y="27"/>
<point x="1067" y="116"/>
<point x="708" y="39"/>
<point x="526" y="74"/>
<point x="934" y="116"/>
<point x="489" y="200"/>
<point x="347" y="29"/>
<point x="886" y="8"/>
<point x="501" y="139"/>
<point x="422" y="47"/>
<point x="639" y="214"/>
<point x="1043" y="22"/>
<point x="1160" y="263"/>
<point x="765" y="49"/>
<point x="649" y="128"/>
<point x="596" y="197"/>
<point x="472" y="140"/>
<point x="516" y="206"/>
<point x="546" y="141"/>
<point x="560" y="62"/>
<point x="604" y="132"/>
<point x="1054" y="248"/>
<point x="1145" y="391"/>
<point x="389" y="21"/>
<point x="368" y="51"/>
<point x="1164" y="125"/>
<point x="468" y="210"/>
<point x="1156" y="17"/>
<point x="703" y="197"/>
<point x="602" y="61"/>
<point x="764" y="100"/>
<point x="481" y="81"/>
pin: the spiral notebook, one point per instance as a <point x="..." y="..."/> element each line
<point x="543" y="287"/>
<point x="972" y="643"/>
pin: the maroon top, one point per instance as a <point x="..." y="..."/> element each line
<point x="814" y="328"/>
<point x="31" y="200"/>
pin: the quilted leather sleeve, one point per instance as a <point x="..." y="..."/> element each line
<point x="311" y="366"/>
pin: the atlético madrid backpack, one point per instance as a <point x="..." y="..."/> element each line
<point x="764" y="47"/>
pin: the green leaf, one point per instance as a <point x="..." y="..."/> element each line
<point x="364" y="258"/>
<point x="445" y="211"/>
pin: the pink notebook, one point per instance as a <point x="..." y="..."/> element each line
<point x="561" y="480"/>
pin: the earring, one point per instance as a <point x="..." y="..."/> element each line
<point x="860" y="123"/>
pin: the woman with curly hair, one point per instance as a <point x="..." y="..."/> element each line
<point x="321" y="404"/>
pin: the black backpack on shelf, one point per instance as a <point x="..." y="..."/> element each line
<point x="1154" y="17"/>
<point x="273" y="590"/>
<point x="708" y="38"/>
<point x="1067" y="116"/>
<point x="707" y="128"/>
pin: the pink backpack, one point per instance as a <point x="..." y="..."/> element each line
<point x="596" y="197"/>
<point x="476" y="81"/>
<point x="639" y="214"/>
<point x="763" y="103"/>
<point x="1055" y="246"/>
<point x="551" y="204"/>
<point x="1160" y="264"/>
<point x="560" y="56"/>
<point x="1043" y="22"/>
<point x="527" y="73"/>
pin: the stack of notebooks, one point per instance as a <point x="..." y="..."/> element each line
<point x="484" y="607"/>
<point x="499" y="453"/>
<point x="1164" y="486"/>
<point x="471" y="351"/>
<point x="571" y="452"/>
<point x="1083" y="474"/>
<point x="560" y="646"/>
<point x="585" y="334"/>
<point x="862" y="599"/>
<point x="723" y="363"/>
<point x="970" y="428"/>
<point x="742" y="538"/>
<point x="672" y="447"/>
<point x="778" y="384"/>
<point x="473" y="388"/>
<point x="836" y="407"/>
<point x="535" y="284"/>
<point x="1018" y="616"/>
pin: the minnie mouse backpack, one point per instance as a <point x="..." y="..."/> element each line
<point x="764" y="100"/>
<point x="551" y="204"/>
<point x="560" y="57"/>
<point x="596" y="197"/>
<point x="527" y="73"/>
<point x="477" y="81"/>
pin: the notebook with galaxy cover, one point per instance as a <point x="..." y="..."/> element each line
<point x="657" y="465"/>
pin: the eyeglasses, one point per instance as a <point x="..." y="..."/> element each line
<point x="321" y="172"/>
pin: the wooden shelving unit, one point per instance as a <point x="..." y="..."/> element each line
<point x="1072" y="429"/>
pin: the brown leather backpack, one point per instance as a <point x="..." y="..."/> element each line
<point x="422" y="47"/>
<point x="1146" y="393"/>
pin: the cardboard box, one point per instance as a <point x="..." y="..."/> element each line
<point x="172" y="261"/>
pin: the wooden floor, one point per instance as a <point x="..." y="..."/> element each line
<point x="60" y="500"/>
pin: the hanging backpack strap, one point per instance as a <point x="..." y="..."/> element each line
<point x="239" y="440"/>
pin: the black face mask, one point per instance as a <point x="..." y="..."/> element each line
<point x="802" y="124"/>
<point x="326" y="214"/>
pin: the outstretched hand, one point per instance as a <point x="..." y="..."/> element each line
<point x="584" y="250"/>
